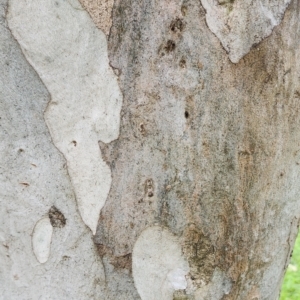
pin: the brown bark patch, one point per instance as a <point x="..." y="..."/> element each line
<point x="56" y="217"/>
<point x="199" y="252"/>
<point x="119" y="262"/>
<point x="100" y="12"/>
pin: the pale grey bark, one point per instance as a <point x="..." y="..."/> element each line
<point x="202" y="164"/>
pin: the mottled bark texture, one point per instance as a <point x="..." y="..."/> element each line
<point x="100" y="11"/>
<point x="217" y="142"/>
<point x="201" y="167"/>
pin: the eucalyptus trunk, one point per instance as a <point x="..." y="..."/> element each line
<point x="149" y="149"/>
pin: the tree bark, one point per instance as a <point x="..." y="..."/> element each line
<point x="157" y="160"/>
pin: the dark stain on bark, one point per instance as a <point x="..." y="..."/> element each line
<point x="57" y="219"/>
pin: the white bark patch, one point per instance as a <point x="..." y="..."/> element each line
<point x="41" y="239"/>
<point x="158" y="265"/>
<point x="70" y="55"/>
<point x="219" y="286"/>
<point x="239" y="24"/>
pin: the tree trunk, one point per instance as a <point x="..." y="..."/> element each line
<point x="149" y="149"/>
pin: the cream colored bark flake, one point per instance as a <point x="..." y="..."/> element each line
<point x="41" y="239"/>
<point x="69" y="53"/>
<point x="241" y="24"/>
<point x="158" y="266"/>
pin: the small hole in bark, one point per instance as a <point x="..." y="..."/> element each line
<point x="177" y="25"/>
<point x="20" y="150"/>
<point x="186" y="114"/>
<point x="170" y="46"/>
<point x="117" y="71"/>
<point x="182" y="63"/>
<point x="183" y="10"/>
<point x="150" y="194"/>
<point x="74" y="143"/>
<point x="142" y="128"/>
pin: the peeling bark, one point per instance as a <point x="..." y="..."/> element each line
<point x="34" y="178"/>
<point x="196" y="180"/>
<point x="241" y="24"/>
<point x="86" y="100"/>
